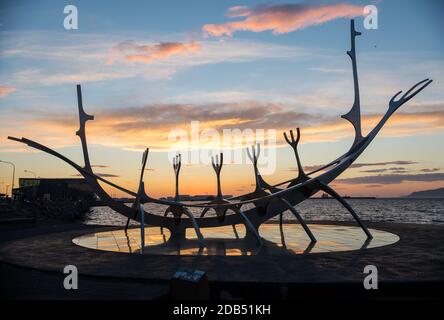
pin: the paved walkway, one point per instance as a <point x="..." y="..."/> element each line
<point x="418" y="256"/>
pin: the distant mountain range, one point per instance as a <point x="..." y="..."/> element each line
<point x="435" y="193"/>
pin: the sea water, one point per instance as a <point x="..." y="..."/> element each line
<point x="426" y="211"/>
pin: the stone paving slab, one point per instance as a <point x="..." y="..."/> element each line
<point x="418" y="256"/>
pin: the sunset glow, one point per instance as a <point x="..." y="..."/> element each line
<point x="239" y="66"/>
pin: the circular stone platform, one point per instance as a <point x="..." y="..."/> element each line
<point x="227" y="240"/>
<point x="417" y="256"/>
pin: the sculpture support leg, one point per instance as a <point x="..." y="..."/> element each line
<point x="196" y="227"/>
<point x="335" y="195"/>
<point x="142" y="229"/>
<point x="204" y="211"/>
<point x="235" y="232"/>
<point x="301" y="221"/>
<point x="281" y="229"/>
<point x="249" y="225"/>
<point x="128" y="220"/>
<point x="309" y="247"/>
<point x="168" y="210"/>
<point x="127" y="224"/>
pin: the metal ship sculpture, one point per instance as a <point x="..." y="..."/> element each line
<point x="265" y="202"/>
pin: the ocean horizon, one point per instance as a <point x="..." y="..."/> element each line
<point x="398" y="210"/>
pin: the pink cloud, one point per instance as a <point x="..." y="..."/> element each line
<point x="4" y="90"/>
<point x="129" y="51"/>
<point x="281" y="18"/>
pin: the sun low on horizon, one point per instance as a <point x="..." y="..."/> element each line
<point x="221" y="69"/>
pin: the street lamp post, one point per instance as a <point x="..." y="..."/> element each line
<point x="13" y="173"/>
<point x="31" y="172"/>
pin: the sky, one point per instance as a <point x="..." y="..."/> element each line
<point x="150" y="68"/>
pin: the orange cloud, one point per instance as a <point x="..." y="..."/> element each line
<point x="148" y="126"/>
<point x="4" y="90"/>
<point x="136" y="127"/>
<point x="281" y="18"/>
<point x="129" y="51"/>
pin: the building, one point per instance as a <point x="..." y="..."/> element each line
<point x="32" y="189"/>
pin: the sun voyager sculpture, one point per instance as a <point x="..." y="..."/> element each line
<point x="266" y="201"/>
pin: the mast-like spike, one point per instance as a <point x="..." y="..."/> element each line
<point x="254" y="157"/>
<point x="294" y="144"/>
<point x="217" y="162"/>
<point x="177" y="162"/>
<point x="354" y="115"/>
<point x="144" y="159"/>
<point x="83" y="117"/>
<point x="140" y="190"/>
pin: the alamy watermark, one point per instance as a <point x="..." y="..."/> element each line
<point x="71" y="281"/>
<point x="198" y="146"/>
<point x="371" y="280"/>
<point x="71" y="20"/>
<point x="371" y="17"/>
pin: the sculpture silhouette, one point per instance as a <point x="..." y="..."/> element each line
<point x="268" y="200"/>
